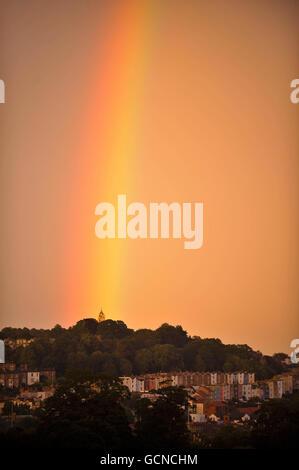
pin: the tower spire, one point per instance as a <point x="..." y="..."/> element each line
<point x="101" y="316"/>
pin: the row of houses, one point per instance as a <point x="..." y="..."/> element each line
<point x="11" y="376"/>
<point x="280" y="385"/>
<point x="210" y="403"/>
<point x="218" y="386"/>
<point x="261" y="390"/>
<point x="202" y="409"/>
<point x="149" y="382"/>
<point x="30" y="398"/>
<point x="18" y="342"/>
<point x="221" y="413"/>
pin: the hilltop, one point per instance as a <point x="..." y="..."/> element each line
<point x="112" y="348"/>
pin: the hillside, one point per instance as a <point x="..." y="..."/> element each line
<point x="111" y="347"/>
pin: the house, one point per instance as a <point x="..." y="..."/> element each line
<point x="246" y="392"/>
<point x="138" y="382"/>
<point x="229" y="378"/>
<point x="197" y="418"/>
<point x="213" y="378"/>
<point x="32" y="377"/>
<point x="18" y="342"/>
<point x="127" y="382"/>
<point x="251" y="377"/>
<point x="196" y="405"/>
<point x="11" y="376"/>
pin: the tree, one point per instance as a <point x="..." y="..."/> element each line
<point x="229" y="437"/>
<point x="277" y="424"/>
<point x="144" y="338"/>
<point x="110" y="329"/>
<point x="174" y="335"/>
<point x="143" y="361"/>
<point x="90" y="325"/>
<point x="96" y="361"/>
<point x="166" y="357"/>
<point x="77" y="361"/>
<point x="86" y="412"/>
<point x="199" y="364"/>
<point x="125" y="366"/>
<point x="162" y="424"/>
<point x="109" y="366"/>
<point x="280" y="357"/>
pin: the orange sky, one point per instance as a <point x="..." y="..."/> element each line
<point x="164" y="101"/>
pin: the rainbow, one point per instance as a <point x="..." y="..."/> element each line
<point x="107" y="154"/>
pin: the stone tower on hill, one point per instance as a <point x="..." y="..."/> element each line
<point x="101" y="316"/>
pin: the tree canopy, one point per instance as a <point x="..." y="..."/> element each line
<point x="112" y="348"/>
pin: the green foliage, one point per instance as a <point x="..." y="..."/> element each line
<point x="277" y="424"/>
<point x="86" y="411"/>
<point x="174" y="335"/>
<point x="20" y="409"/>
<point x="113" y="329"/>
<point x="162" y="424"/>
<point x="88" y="325"/>
<point x="230" y="437"/>
<point x="113" y="348"/>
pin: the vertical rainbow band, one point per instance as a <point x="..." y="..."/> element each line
<point x="108" y="152"/>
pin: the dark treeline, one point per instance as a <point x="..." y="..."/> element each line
<point x="110" y="347"/>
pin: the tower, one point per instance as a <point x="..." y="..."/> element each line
<point x="101" y="316"/>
